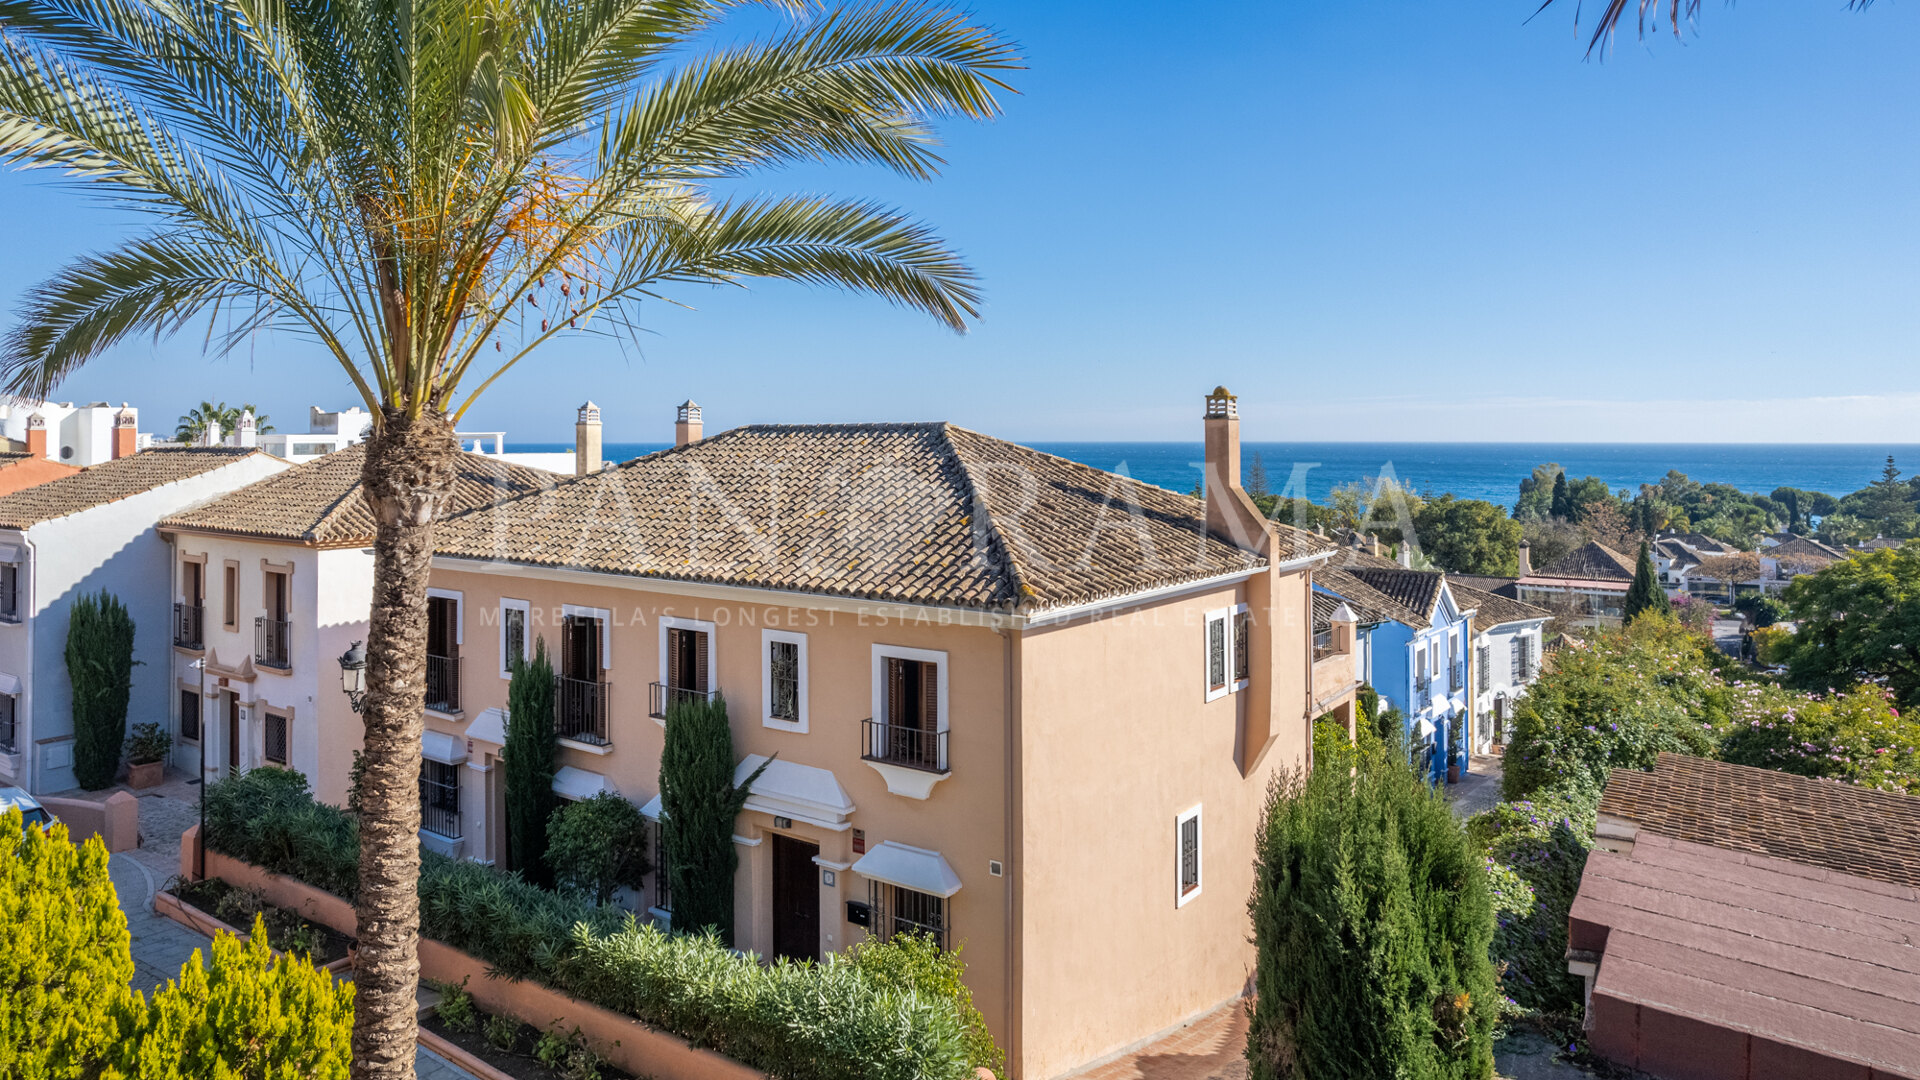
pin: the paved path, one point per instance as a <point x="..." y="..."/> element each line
<point x="1214" y="1047"/>
<point x="160" y="945"/>
<point x="1479" y="789"/>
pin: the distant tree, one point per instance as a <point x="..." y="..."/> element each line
<point x="1887" y="502"/>
<point x="1859" y="617"/>
<point x="529" y="753"/>
<point x="195" y="422"/>
<point x="598" y="845"/>
<point x="1588" y="492"/>
<point x="1562" y="503"/>
<point x="1732" y="570"/>
<point x="1550" y="540"/>
<point x="1606" y="523"/>
<point x="100" y="669"/>
<point x="1257" y="478"/>
<point x="1645" y="594"/>
<point x="1468" y="536"/>
<point x="1536" y="493"/>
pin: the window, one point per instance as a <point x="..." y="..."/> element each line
<point x="662" y="888"/>
<point x="276" y="738"/>
<point x="1187" y="845"/>
<point x="231" y="596"/>
<point x="783" y="679"/>
<point x="444" y="636"/>
<point x="1242" y="657"/>
<point x="190" y="715"/>
<point x="909" y="724"/>
<point x="1522" y="657"/>
<point x="899" y="910"/>
<point x="1216" y="657"/>
<point x="440" y="798"/>
<point x="513" y="634"/>
<point x="10" y="592"/>
<point x="580" y="706"/>
<point x="686" y="664"/>
<point x="9" y="733"/>
<point x="1483" y="667"/>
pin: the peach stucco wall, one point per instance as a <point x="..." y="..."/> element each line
<point x="963" y="819"/>
<point x="1117" y="741"/>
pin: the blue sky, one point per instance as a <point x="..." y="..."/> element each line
<point x="1382" y="221"/>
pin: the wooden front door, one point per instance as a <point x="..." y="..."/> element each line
<point x="796" y="899"/>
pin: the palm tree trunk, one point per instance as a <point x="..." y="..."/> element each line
<point x="408" y="472"/>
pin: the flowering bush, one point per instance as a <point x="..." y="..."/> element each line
<point x="1856" y="736"/>
<point x="1540" y="845"/>
<point x="1630" y="694"/>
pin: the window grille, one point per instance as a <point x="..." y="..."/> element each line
<point x="1482" y="666"/>
<point x="1216" y="653"/>
<point x="513" y="623"/>
<point x="898" y="910"/>
<point x="1242" y="665"/>
<point x="1189" y="840"/>
<point x="189" y="715"/>
<point x="276" y="739"/>
<point x="8" y="732"/>
<point x="440" y="798"/>
<point x="662" y="888"/>
<point x="784" y="681"/>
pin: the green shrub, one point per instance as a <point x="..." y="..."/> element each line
<point x="1628" y="695"/>
<point x="247" y="1014"/>
<point x="598" y="845"/>
<point x="1856" y="736"/>
<point x="916" y="962"/>
<point x="1542" y="846"/>
<point x="521" y="930"/>
<point x="66" y="963"/>
<point x="805" y="1021"/>
<point x="267" y="817"/>
<point x="456" y="1008"/>
<point x="502" y="1032"/>
<point x="1372" y="921"/>
<point x="529" y="754"/>
<point x="148" y="743"/>
<point x="698" y="805"/>
<point x="100" y="668"/>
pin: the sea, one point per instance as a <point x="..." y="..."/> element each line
<point x="1490" y="471"/>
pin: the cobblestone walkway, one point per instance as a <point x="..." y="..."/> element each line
<point x="160" y="945"/>
<point x="1479" y="789"/>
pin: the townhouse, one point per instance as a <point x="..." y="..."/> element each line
<point x="270" y="583"/>
<point x="92" y="530"/>
<point x="1024" y="705"/>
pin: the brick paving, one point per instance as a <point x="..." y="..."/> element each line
<point x="1211" y="1048"/>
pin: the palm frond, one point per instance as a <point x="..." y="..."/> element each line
<point x="1647" y="14"/>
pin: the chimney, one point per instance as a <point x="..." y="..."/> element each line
<point x="687" y="427"/>
<point x="1406" y="555"/>
<point x="1231" y="515"/>
<point x="126" y="431"/>
<point x="248" y="431"/>
<point x="586" y="440"/>
<point x="1526" y="558"/>
<point x="1373" y="544"/>
<point x="211" y="436"/>
<point x="37" y="435"/>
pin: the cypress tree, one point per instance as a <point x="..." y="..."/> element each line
<point x="100" y="668"/>
<point x="1645" y="594"/>
<point x="529" y="753"/>
<point x="698" y="804"/>
<point x="1562" y="506"/>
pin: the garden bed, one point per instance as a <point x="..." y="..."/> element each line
<point x="286" y="931"/>
<point x="516" y="1049"/>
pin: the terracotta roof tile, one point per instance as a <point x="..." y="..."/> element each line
<point x="319" y="502"/>
<point x="1416" y="590"/>
<point x="1492" y="609"/>
<point x="1591" y="560"/>
<point x="905" y="513"/>
<point x="1370" y="604"/>
<point x="111" y="481"/>
<point x="1852" y="830"/>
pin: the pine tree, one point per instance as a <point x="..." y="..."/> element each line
<point x="1645" y="594"/>
<point x="66" y="963"/>
<point x="1562" y="507"/>
<point x="529" y="753"/>
<point x="698" y="805"/>
<point x="100" y="668"/>
<point x="1257" y="478"/>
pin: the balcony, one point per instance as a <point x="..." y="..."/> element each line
<point x="443" y="683"/>
<point x="911" y="759"/>
<point x="1457" y="678"/>
<point x="661" y="696"/>
<point x="580" y="710"/>
<point x="270" y="643"/>
<point x="188" y="620"/>
<point x="1322" y="645"/>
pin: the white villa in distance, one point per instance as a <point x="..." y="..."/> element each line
<point x="71" y="434"/>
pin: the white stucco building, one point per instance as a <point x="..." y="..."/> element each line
<point x="269" y="585"/>
<point x="1506" y="660"/>
<point x="82" y="533"/>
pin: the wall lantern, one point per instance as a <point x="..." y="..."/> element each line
<point x="353" y="674"/>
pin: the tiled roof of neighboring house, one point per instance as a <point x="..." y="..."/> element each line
<point x="111" y="481"/>
<point x="1369" y="604"/>
<point x="23" y="470"/>
<point x="1802" y="547"/>
<point x="1591" y="560"/>
<point x="1491" y="609"/>
<point x="901" y="513"/>
<point x="1702" y="543"/>
<point x="320" y="502"/>
<point x="1415" y="590"/>
<point x="1498" y="586"/>
<point x="1849" y="829"/>
<point x="1324" y="606"/>
<point x="1681" y="555"/>
<point x="1879" y="542"/>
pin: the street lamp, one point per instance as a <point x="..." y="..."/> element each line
<point x="353" y="674"/>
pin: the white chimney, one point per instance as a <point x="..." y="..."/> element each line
<point x="1526" y="558"/>
<point x="211" y="435"/>
<point x="586" y="440"/>
<point x="248" y="433"/>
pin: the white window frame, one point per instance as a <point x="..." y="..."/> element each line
<point x="669" y="622"/>
<point x="525" y="609"/>
<point x="767" y="719"/>
<point x="1182" y="898"/>
<point x="882" y="653"/>
<point x="606" y="629"/>
<point x="459" y="611"/>
<point x="1224" y="617"/>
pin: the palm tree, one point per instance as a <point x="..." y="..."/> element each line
<point x="1648" y="13"/>
<point x="417" y="186"/>
<point x="194" y="424"/>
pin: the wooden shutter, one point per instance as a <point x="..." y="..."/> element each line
<point x="699" y="660"/>
<point x="673" y="659"/>
<point x="929" y="696"/>
<point x="896" y="691"/>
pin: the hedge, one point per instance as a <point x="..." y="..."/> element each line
<point x="840" y="1020"/>
<point x="1536" y="851"/>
